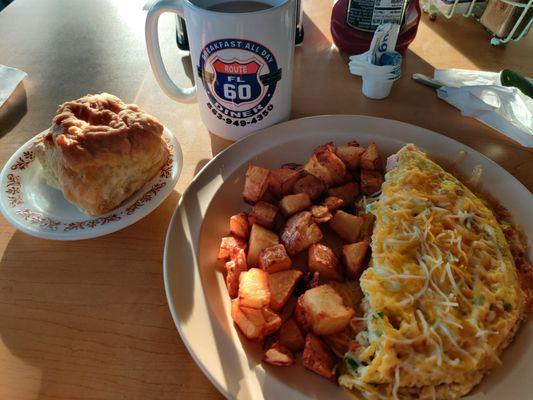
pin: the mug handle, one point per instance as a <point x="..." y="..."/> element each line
<point x="185" y="95"/>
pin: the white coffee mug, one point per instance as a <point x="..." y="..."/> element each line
<point x="242" y="62"/>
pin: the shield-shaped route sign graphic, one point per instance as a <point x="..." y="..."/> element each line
<point x="237" y="82"/>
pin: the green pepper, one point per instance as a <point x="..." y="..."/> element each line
<point x="351" y="363"/>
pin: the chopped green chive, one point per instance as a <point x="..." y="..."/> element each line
<point x="351" y="363"/>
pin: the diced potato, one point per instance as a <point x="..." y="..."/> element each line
<point x="371" y="159"/>
<point x="228" y="246"/>
<point x="278" y="355"/>
<point x="232" y="280"/>
<point x="251" y="328"/>
<point x="318" y="170"/>
<point x="354" y="256"/>
<point x="278" y="223"/>
<point x="329" y="146"/>
<point x="291" y="336"/>
<point x="368" y="226"/>
<point x="281" y="285"/>
<point x="350" y="291"/>
<point x="324" y="310"/>
<point x="348" y="177"/>
<point x="268" y="197"/>
<point x="347" y="226"/>
<point x="347" y="192"/>
<point x="293" y="166"/>
<point x="264" y="214"/>
<point x="318" y="357"/>
<point x="288" y="309"/>
<point x="321" y="259"/>
<point x="282" y="181"/>
<point x="299" y="315"/>
<point x="274" y="259"/>
<point x="293" y="203"/>
<point x="255" y="184"/>
<point x="333" y="203"/>
<point x="320" y="214"/>
<point x="277" y="179"/>
<point x="300" y="232"/>
<point x="334" y="165"/>
<point x="260" y="238"/>
<point x="272" y="322"/>
<point x="371" y="181"/>
<point x="254" y="291"/>
<point x="340" y="342"/>
<point x="254" y="315"/>
<point x="238" y="225"/>
<point x="311" y="185"/>
<point x="254" y="323"/>
<point x="233" y="271"/>
<point x="240" y="260"/>
<point x="350" y="155"/>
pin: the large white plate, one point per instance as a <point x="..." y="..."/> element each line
<point x="195" y="289"/>
<point x="32" y="206"/>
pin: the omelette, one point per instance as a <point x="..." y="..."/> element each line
<point x="442" y="294"/>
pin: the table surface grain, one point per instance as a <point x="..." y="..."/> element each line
<point x="89" y="319"/>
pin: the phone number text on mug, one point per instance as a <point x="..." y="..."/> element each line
<point x="240" y="122"/>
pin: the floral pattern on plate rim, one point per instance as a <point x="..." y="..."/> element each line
<point x="13" y="189"/>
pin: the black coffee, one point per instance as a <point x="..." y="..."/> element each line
<point x="239" y="6"/>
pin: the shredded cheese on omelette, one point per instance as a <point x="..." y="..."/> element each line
<point x="442" y="296"/>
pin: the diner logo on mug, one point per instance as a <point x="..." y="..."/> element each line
<point x="237" y="83"/>
<point x="240" y="78"/>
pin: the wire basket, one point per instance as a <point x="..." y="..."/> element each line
<point x="474" y="8"/>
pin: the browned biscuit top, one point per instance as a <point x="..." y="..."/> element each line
<point x="100" y="129"/>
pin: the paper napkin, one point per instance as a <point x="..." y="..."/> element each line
<point x="9" y="80"/>
<point x="479" y="94"/>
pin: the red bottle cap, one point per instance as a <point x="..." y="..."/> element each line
<point x="354" y="41"/>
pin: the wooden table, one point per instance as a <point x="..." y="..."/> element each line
<point x="89" y="319"/>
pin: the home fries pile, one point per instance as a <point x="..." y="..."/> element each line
<point x="294" y="208"/>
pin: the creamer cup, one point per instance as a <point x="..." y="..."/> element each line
<point x="375" y="87"/>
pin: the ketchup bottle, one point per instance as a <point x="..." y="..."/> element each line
<point x="353" y="22"/>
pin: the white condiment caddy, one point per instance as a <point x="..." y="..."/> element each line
<point x="380" y="66"/>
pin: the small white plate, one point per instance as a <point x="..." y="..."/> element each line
<point x="32" y="206"/>
<point x="195" y="288"/>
